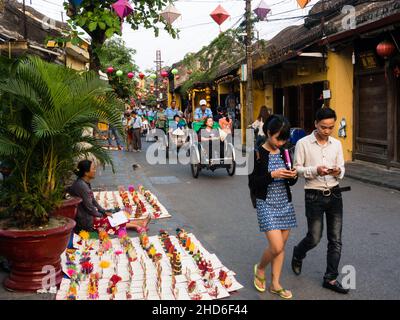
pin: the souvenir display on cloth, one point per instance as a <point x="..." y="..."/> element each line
<point x="137" y="204"/>
<point x="161" y="267"/>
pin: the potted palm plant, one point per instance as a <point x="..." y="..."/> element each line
<point x="45" y="110"/>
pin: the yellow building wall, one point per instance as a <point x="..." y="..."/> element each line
<point x="258" y="102"/>
<point x="222" y="89"/>
<point x="290" y="78"/>
<point x="340" y="76"/>
<point x="177" y="98"/>
<point x="263" y="98"/>
<point x="75" y="64"/>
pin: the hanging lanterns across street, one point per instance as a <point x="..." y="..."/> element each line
<point x="170" y="14"/>
<point x="122" y="8"/>
<point x="262" y="10"/>
<point x="303" y="3"/>
<point x="219" y="15"/>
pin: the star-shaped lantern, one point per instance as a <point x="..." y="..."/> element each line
<point x="303" y="3"/>
<point x="170" y="14"/>
<point x="122" y="8"/>
<point x="219" y="15"/>
<point x="262" y="10"/>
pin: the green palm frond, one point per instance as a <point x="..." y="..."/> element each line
<point x="9" y="148"/>
<point x="19" y="132"/>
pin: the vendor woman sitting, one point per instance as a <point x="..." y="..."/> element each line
<point x="91" y="216"/>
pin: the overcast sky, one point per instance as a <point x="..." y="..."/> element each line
<point x="197" y="28"/>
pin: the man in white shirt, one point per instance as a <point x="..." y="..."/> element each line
<point x="136" y="125"/>
<point x="319" y="159"/>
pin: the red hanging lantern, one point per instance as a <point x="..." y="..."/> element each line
<point x="177" y="77"/>
<point x="219" y="15"/>
<point x="130" y="75"/>
<point x="164" y="74"/>
<point x="385" y="49"/>
<point x="141" y="76"/>
<point x="110" y="70"/>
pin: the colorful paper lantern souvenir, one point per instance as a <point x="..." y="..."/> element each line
<point x="262" y="10"/>
<point x="170" y="14"/>
<point x="122" y="8"/>
<point x="219" y="15"/>
<point x="130" y="75"/>
<point x="385" y="49"/>
<point x="141" y="76"/>
<point x="174" y="71"/>
<point x="303" y="3"/>
<point x="119" y="73"/>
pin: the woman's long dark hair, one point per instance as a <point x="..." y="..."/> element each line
<point x="264" y="114"/>
<point x="83" y="167"/>
<point x="275" y="124"/>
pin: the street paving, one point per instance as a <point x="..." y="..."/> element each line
<point x="218" y="210"/>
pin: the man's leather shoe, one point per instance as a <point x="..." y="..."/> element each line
<point x="296" y="265"/>
<point x="337" y="287"/>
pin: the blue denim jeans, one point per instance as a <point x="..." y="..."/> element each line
<point x="112" y="131"/>
<point x="316" y="205"/>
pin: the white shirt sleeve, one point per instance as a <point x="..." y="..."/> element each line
<point x="299" y="163"/>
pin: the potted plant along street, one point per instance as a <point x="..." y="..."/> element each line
<point x="44" y="112"/>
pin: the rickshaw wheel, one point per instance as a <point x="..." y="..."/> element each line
<point x="232" y="168"/>
<point x="195" y="170"/>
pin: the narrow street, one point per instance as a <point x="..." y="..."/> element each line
<point x="216" y="208"/>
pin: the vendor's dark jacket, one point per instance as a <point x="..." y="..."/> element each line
<point x="88" y="208"/>
<point x="261" y="177"/>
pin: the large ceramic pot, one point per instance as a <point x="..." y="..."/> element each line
<point x="35" y="255"/>
<point x="69" y="208"/>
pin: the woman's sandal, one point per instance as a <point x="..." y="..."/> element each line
<point x="261" y="279"/>
<point x="281" y="293"/>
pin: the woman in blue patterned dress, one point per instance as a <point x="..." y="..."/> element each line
<point x="270" y="182"/>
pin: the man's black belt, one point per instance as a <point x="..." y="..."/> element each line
<point x="327" y="192"/>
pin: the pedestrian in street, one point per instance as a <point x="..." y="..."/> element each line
<point x="113" y="132"/>
<point x="258" y="125"/>
<point x="271" y="181"/>
<point x="136" y="125"/>
<point x="127" y="123"/>
<point x="319" y="159"/>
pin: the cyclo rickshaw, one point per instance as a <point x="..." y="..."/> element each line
<point x="201" y="159"/>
